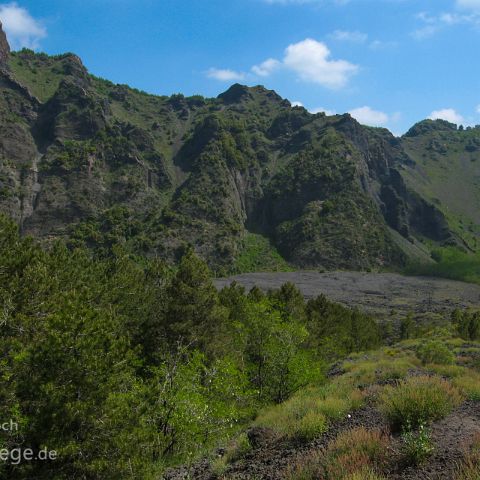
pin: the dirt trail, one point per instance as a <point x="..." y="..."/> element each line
<point x="377" y="293"/>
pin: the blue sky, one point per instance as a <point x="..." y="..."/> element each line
<point x="388" y="62"/>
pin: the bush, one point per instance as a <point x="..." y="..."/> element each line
<point x="355" y="452"/>
<point x="236" y="449"/>
<point x="434" y="351"/>
<point x="367" y="474"/>
<point x="305" y="468"/>
<point x="418" y="400"/>
<point x="469" y="384"/>
<point x="354" y="455"/>
<point x="417" y="446"/>
<point x="469" y="469"/>
<point x="307" y="414"/>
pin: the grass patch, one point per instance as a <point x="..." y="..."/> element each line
<point x="451" y="263"/>
<point x="448" y="371"/>
<point x="469" y="468"/>
<point x="419" y="400"/>
<point x="236" y="449"/>
<point x="258" y="254"/>
<point x="356" y="454"/>
<point x="308" y="413"/>
<point x="469" y="384"/>
<point x="387" y="364"/>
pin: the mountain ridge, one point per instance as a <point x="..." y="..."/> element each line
<point x="99" y="164"/>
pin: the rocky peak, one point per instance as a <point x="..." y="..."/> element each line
<point x="4" y="47"/>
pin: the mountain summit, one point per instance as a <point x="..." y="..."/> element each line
<point x="239" y="177"/>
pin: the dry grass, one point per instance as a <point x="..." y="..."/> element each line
<point x="356" y="454"/>
<point x="469" y="384"/>
<point x="355" y="451"/>
<point x="469" y="468"/>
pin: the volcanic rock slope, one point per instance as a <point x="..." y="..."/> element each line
<point x="100" y="164"/>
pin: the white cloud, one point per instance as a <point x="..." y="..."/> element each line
<point x="469" y="4"/>
<point x="225" y="75"/>
<point x="366" y="115"/>
<point x="310" y="60"/>
<point x="478" y="109"/>
<point x="448" y="114"/>
<point x="434" y="23"/>
<point x="21" y="28"/>
<point x="348" y="36"/>
<point x="296" y="104"/>
<point x="326" y="111"/>
<point x="266" y="67"/>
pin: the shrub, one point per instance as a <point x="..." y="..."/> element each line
<point x="354" y="455"/>
<point x="434" y="351"/>
<point x="354" y="452"/>
<point x="366" y="474"/>
<point x="469" y="384"/>
<point x="307" y="414"/>
<point x="306" y="467"/>
<point x="417" y="446"/>
<point x="236" y="449"/>
<point x="299" y="417"/>
<point x="418" y="400"/>
<point x="469" y="468"/>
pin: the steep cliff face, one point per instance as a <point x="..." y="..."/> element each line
<point x="101" y="164"/>
<point x="4" y="47"/>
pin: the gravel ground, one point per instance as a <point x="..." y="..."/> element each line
<point x="376" y="293"/>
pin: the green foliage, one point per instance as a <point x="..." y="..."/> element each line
<point x="435" y="351"/>
<point x="417" y="445"/>
<point x="308" y="413"/>
<point x="123" y="366"/>
<point x="419" y="400"/>
<point x="467" y="324"/>
<point x="259" y="255"/>
<point x="450" y="263"/>
<point x="337" y="331"/>
<point x="407" y="327"/>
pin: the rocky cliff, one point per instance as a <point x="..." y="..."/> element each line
<point x="101" y="164"/>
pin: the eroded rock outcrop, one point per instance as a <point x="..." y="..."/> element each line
<point x="4" y="47"/>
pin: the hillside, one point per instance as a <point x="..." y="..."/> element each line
<point x="446" y="171"/>
<point x="409" y="411"/>
<point x="249" y="181"/>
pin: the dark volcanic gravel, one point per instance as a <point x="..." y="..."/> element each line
<point x="377" y="293"/>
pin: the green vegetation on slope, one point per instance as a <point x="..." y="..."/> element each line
<point x="324" y="192"/>
<point x="398" y="396"/>
<point x="259" y="255"/>
<point x="125" y="367"/>
<point x="446" y="170"/>
<point x="450" y="263"/>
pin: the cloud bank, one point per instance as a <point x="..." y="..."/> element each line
<point x="225" y="75"/>
<point x="368" y="116"/>
<point x="448" y="114"/>
<point x="21" y="28"/>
